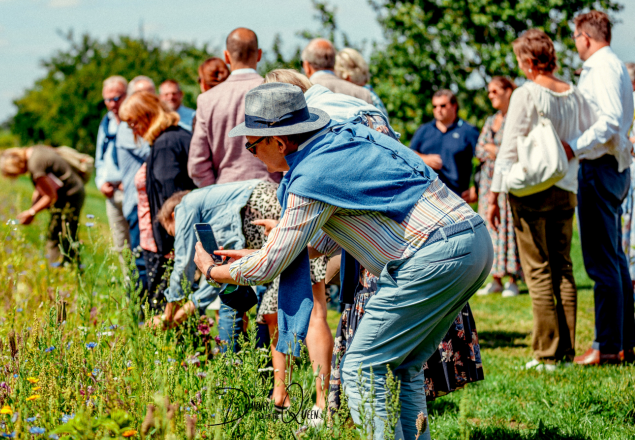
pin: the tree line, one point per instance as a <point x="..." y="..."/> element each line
<point x="428" y="45"/>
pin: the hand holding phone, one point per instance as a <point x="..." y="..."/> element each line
<point x="205" y="235"/>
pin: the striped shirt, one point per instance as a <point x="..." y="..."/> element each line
<point x="372" y="238"/>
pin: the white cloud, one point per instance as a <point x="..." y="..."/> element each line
<point x="63" y="3"/>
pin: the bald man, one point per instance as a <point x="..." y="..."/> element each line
<point x="318" y="62"/>
<point x="214" y="157"/>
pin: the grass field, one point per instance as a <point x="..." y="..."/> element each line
<point x="571" y="403"/>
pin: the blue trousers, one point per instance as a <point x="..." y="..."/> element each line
<point x="416" y="302"/>
<point x="601" y="192"/>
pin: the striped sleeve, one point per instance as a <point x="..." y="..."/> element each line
<point x="325" y="244"/>
<point x="299" y="224"/>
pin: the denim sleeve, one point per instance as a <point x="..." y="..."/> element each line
<point x="99" y="162"/>
<point x="184" y="249"/>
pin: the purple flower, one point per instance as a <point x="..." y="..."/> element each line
<point x="19" y="309"/>
<point x="36" y="430"/>
<point x="218" y="341"/>
<point x="50" y="349"/>
<point x="31" y="419"/>
<point x="8" y="435"/>
<point x="54" y="436"/>
<point x="90" y="216"/>
<point x="112" y="327"/>
<point x="91" y="345"/>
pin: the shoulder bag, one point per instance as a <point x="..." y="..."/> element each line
<point x="542" y="161"/>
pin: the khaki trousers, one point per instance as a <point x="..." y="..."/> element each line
<point x="544" y="225"/>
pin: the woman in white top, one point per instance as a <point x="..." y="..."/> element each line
<point x="544" y="221"/>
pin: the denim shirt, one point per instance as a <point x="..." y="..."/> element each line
<point x="131" y="156"/>
<point x="105" y="168"/>
<point x="187" y="115"/>
<point x="217" y="205"/>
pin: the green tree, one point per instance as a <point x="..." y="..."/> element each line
<point x="435" y="44"/>
<point x="65" y="106"/>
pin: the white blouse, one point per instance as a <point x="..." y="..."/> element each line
<point x="570" y="114"/>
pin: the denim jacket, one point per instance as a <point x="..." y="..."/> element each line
<point x="105" y="168"/>
<point x="218" y="205"/>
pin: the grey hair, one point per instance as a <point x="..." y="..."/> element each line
<point x="631" y="70"/>
<point x="319" y="54"/>
<point x="137" y="79"/>
<point x="351" y="66"/>
<point x="115" y="79"/>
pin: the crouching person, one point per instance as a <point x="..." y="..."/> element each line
<point x="378" y="201"/>
<point x="236" y="211"/>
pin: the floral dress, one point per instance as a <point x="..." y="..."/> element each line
<point x="456" y="363"/>
<point x="506" y="260"/>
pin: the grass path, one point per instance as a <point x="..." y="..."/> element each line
<point x="571" y="403"/>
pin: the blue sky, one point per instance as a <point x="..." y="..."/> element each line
<point x="28" y="28"/>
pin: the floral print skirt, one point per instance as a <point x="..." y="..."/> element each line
<point x="456" y="363"/>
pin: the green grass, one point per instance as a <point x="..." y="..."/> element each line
<point x="571" y="403"/>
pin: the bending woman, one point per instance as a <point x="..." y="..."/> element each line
<point x="58" y="188"/>
<point x="235" y="210"/>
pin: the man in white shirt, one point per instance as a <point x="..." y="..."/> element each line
<point x="604" y="178"/>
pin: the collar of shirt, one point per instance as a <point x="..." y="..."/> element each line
<point x="597" y="58"/>
<point x="305" y="143"/>
<point x="456" y="124"/>
<point x="243" y="71"/>
<point x="322" y="72"/>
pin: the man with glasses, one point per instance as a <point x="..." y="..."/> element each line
<point x="446" y="144"/>
<point x="604" y="177"/>
<point x="107" y="172"/>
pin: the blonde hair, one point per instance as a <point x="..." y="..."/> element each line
<point x="289" y="76"/>
<point x="13" y="162"/>
<point x="535" y="48"/>
<point x="351" y="66"/>
<point x="146" y="108"/>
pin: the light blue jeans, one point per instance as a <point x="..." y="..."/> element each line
<point x="416" y="302"/>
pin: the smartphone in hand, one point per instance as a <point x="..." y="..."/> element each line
<point x="205" y="235"/>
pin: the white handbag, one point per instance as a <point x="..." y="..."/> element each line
<point x="542" y="161"/>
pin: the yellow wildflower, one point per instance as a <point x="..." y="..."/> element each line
<point x="36" y="388"/>
<point x="6" y="410"/>
<point x="130" y="368"/>
<point x="33" y="397"/>
<point x="32" y="379"/>
<point x="129" y="433"/>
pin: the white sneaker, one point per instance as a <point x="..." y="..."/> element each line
<point x="532" y="364"/>
<point x="547" y="367"/>
<point x="511" y="289"/>
<point x="491" y="287"/>
<point x="539" y="366"/>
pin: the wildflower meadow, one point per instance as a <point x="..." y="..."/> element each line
<point x="78" y="362"/>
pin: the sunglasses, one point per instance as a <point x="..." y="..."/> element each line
<point x="250" y="147"/>
<point x="439" y="105"/>
<point x="115" y="99"/>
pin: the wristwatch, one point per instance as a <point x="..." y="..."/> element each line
<point x="32" y="212"/>
<point x="209" y="279"/>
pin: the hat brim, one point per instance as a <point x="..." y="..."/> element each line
<point x="317" y="120"/>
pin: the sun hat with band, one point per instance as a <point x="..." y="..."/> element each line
<point x="278" y="109"/>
